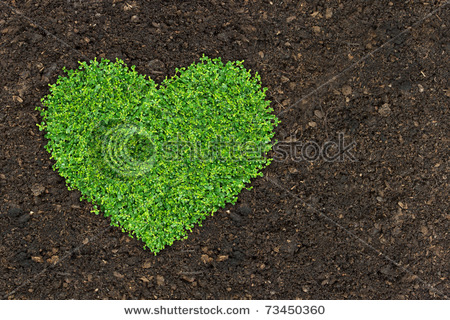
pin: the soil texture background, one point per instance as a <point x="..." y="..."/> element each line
<point x="372" y="73"/>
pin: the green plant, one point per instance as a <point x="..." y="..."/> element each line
<point x="158" y="160"/>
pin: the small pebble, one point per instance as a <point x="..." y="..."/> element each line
<point x="188" y="278"/>
<point x="316" y="29"/>
<point x="37" y="259"/>
<point x="156" y="64"/>
<point x="346" y="90"/>
<point x="284" y="79"/>
<point x="160" y="280"/>
<point x="290" y="19"/>
<point x="318" y="114"/>
<point x="384" y="110"/>
<point x="37" y="190"/>
<point x="222" y="258"/>
<point x="206" y="259"/>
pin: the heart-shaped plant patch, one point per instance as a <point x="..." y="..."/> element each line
<point x="158" y="160"/>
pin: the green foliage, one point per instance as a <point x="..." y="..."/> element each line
<point x="158" y="160"/>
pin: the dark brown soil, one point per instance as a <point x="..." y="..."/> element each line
<point x="375" y="228"/>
